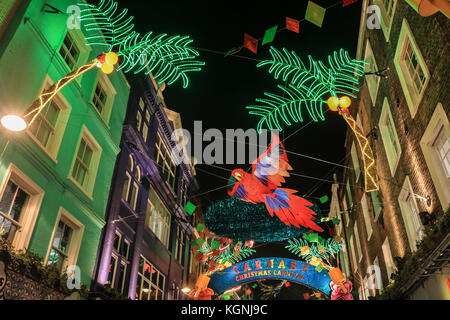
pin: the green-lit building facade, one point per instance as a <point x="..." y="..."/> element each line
<point x="55" y="177"/>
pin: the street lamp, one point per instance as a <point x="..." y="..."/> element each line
<point x="13" y="123"/>
<point x="186" y="290"/>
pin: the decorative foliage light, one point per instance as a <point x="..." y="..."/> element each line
<point x="168" y="58"/>
<point x="307" y="86"/>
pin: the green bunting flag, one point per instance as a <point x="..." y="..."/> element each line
<point x="190" y="208"/>
<point x="193" y="243"/>
<point x="215" y="244"/>
<point x="269" y="36"/>
<point x="200" y="242"/>
<point x="336" y="221"/>
<point x="200" y="227"/>
<point x="324" y="199"/>
<point x="315" y="14"/>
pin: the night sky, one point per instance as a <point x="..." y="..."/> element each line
<point x="219" y="93"/>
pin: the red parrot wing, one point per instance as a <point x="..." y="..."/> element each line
<point x="239" y="192"/>
<point x="271" y="167"/>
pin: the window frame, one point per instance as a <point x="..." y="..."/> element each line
<point x="438" y="121"/>
<point x="80" y="41"/>
<point x="386" y="18"/>
<point x="76" y="239"/>
<point x="388" y="259"/>
<point x="366" y="216"/>
<point x="405" y="198"/>
<point x="413" y="98"/>
<point x="110" y="92"/>
<point x="355" y="160"/>
<point x="372" y="81"/>
<point x="29" y="217"/>
<point x="386" y="137"/>
<point x="65" y="109"/>
<point x="95" y="160"/>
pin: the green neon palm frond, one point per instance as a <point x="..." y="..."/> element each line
<point x="275" y="110"/>
<point x="340" y="77"/>
<point x="105" y="27"/>
<point x="168" y="58"/>
<point x="321" y="249"/>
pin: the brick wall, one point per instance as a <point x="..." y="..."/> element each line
<point x="432" y="40"/>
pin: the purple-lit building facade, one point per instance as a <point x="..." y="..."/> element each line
<point x="144" y="248"/>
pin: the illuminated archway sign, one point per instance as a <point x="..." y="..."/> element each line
<point x="270" y="268"/>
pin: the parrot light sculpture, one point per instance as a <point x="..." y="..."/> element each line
<point x="263" y="185"/>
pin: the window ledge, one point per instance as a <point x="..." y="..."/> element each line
<point x="89" y="196"/>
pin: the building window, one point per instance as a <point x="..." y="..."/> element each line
<point x="180" y="245"/>
<point x="70" y="51"/>
<point x="349" y="194"/>
<point x="112" y="270"/>
<point x="373" y="81"/>
<point x="366" y="216"/>
<point x="119" y="262"/>
<point x="376" y="204"/>
<point x="183" y="193"/>
<point x="103" y="97"/>
<point x="158" y="218"/>
<point x="390" y="138"/>
<point x="61" y="242"/>
<point x="44" y="126"/>
<point x="165" y="163"/>
<point x="131" y="196"/>
<point x="20" y="201"/>
<point x="355" y="160"/>
<point x="358" y="243"/>
<point x="411" y="68"/>
<point x="388" y="260"/>
<point x="175" y="291"/>
<point x="12" y="206"/>
<point x="387" y="9"/>
<point x="353" y="254"/>
<point x="48" y="127"/>
<point x="410" y="214"/>
<point x="83" y="160"/>
<point x="66" y="241"/>
<point x="435" y="145"/>
<point x="150" y="282"/>
<point x="85" y="166"/>
<point x="138" y="121"/>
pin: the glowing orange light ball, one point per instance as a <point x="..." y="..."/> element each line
<point x="107" y="68"/>
<point x="333" y="103"/>
<point x="345" y="102"/>
<point x="112" y="58"/>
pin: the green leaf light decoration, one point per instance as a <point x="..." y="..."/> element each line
<point x="308" y="87"/>
<point x="321" y="249"/>
<point x="168" y="58"/>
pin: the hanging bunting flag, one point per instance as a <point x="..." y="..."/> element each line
<point x="292" y="25"/>
<point x="250" y="43"/>
<point x="336" y="221"/>
<point x="190" y="208"/>
<point x="269" y="36"/>
<point x="200" y="242"/>
<point x="315" y="14"/>
<point x="348" y="2"/>
<point x="200" y="227"/>
<point x="215" y="244"/>
<point x="324" y="199"/>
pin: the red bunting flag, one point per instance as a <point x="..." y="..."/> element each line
<point x="292" y="25"/>
<point x="250" y="43"/>
<point x="287" y="284"/>
<point x="348" y="2"/>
